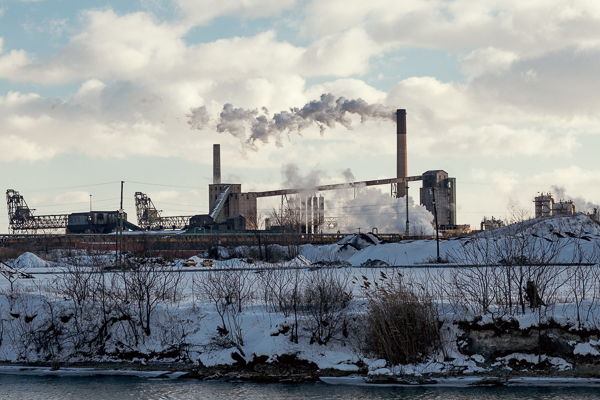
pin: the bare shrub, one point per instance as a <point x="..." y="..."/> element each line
<point x="400" y="326"/>
<point x="282" y="292"/>
<point x="501" y="262"/>
<point x="146" y="285"/>
<point x="230" y="292"/>
<point x="325" y="299"/>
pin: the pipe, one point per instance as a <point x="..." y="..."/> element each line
<point x="401" y="159"/>
<point x="216" y="164"/>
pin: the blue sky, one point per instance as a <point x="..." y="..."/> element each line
<point x="501" y="95"/>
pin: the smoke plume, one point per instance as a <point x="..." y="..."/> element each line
<point x="326" y="113"/>
<point x="581" y="204"/>
<point x="369" y="208"/>
<point x="293" y="178"/>
<point x="364" y="208"/>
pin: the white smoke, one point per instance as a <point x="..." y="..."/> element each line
<point x="581" y="205"/>
<point x="368" y="208"/>
<point x="365" y="207"/>
<point x="293" y="178"/>
<point x="326" y="113"/>
<point x="348" y="175"/>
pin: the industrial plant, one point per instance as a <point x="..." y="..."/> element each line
<point x="233" y="210"/>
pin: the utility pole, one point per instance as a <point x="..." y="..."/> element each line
<point x="121" y="226"/>
<point x="437" y="231"/>
<point x="407" y="231"/>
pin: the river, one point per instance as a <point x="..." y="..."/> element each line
<point x="116" y="388"/>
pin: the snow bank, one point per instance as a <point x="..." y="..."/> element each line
<point x="29" y="260"/>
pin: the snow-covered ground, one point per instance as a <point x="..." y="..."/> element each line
<point x="76" y="310"/>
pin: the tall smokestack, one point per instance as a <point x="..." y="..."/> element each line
<point x="216" y="164"/>
<point x="401" y="159"/>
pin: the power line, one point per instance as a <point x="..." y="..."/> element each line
<point x="165" y="185"/>
<point x="79" y="202"/>
<point x="71" y="187"/>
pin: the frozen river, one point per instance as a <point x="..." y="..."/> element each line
<point x="36" y="387"/>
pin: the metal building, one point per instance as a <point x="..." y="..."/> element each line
<point x="437" y="183"/>
<point x="544" y="204"/>
<point x="563" y="207"/>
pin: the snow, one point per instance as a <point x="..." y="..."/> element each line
<point x="381" y="371"/>
<point x="260" y="327"/>
<point x="29" y="260"/>
<point x="374" y="364"/>
<point x="558" y="362"/>
<point x="478" y="358"/>
<point x="584" y="349"/>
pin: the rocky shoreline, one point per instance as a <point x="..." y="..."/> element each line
<point x="290" y="370"/>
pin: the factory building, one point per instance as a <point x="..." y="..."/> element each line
<point x="437" y="183"/>
<point x="227" y="199"/>
<point x="545" y="206"/>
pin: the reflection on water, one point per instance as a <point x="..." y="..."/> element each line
<point x="116" y="388"/>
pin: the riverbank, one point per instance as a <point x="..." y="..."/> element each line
<point x="227" y="374"/>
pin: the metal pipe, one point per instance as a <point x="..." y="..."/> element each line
<point x="407" y="230"/>
<point x="399" y="181"/>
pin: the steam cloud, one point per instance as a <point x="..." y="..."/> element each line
<point x="293" y="178"/>
<point x="368" y="208"/>
<point x="364" y="208"/>
<point x="326" y="113"/>
<point x="580" y="203"/>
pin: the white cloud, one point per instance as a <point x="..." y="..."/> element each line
<point x="137" y="47"/>
<point x="487" y="60"/>
<point x="22" y="149"/>
<point x="532" y="27"/>
<point x="343" y="54"/>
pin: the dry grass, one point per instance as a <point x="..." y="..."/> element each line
<point x="400" y="327"/>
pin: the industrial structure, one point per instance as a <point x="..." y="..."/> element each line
<point x="491" y="223"/>
<point x="545" y="206"/>
<point x="150" y="219"/>
<point x="438" y="184"/>
<point x="231" y="209"/>
<point x="22" y="220"/>
<point x="227" y="200"/>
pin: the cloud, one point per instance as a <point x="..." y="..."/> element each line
<point x="139" y="78"/>
<point x="137" y="47"/>
<point x="487" y="60"/>
<point x="530" y="28"/>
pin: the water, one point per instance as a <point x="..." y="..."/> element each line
<point x="116" y="388"/>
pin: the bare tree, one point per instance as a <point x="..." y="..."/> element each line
<point x="147" y="284"/>
<point x="325" y="299"/>
<point x="230" y="292"/>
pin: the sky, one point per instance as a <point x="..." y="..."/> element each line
<point x="502" y="95"/>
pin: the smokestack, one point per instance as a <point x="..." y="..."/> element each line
<point x="401" y="159"/>
<point x="216" y="164"/>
